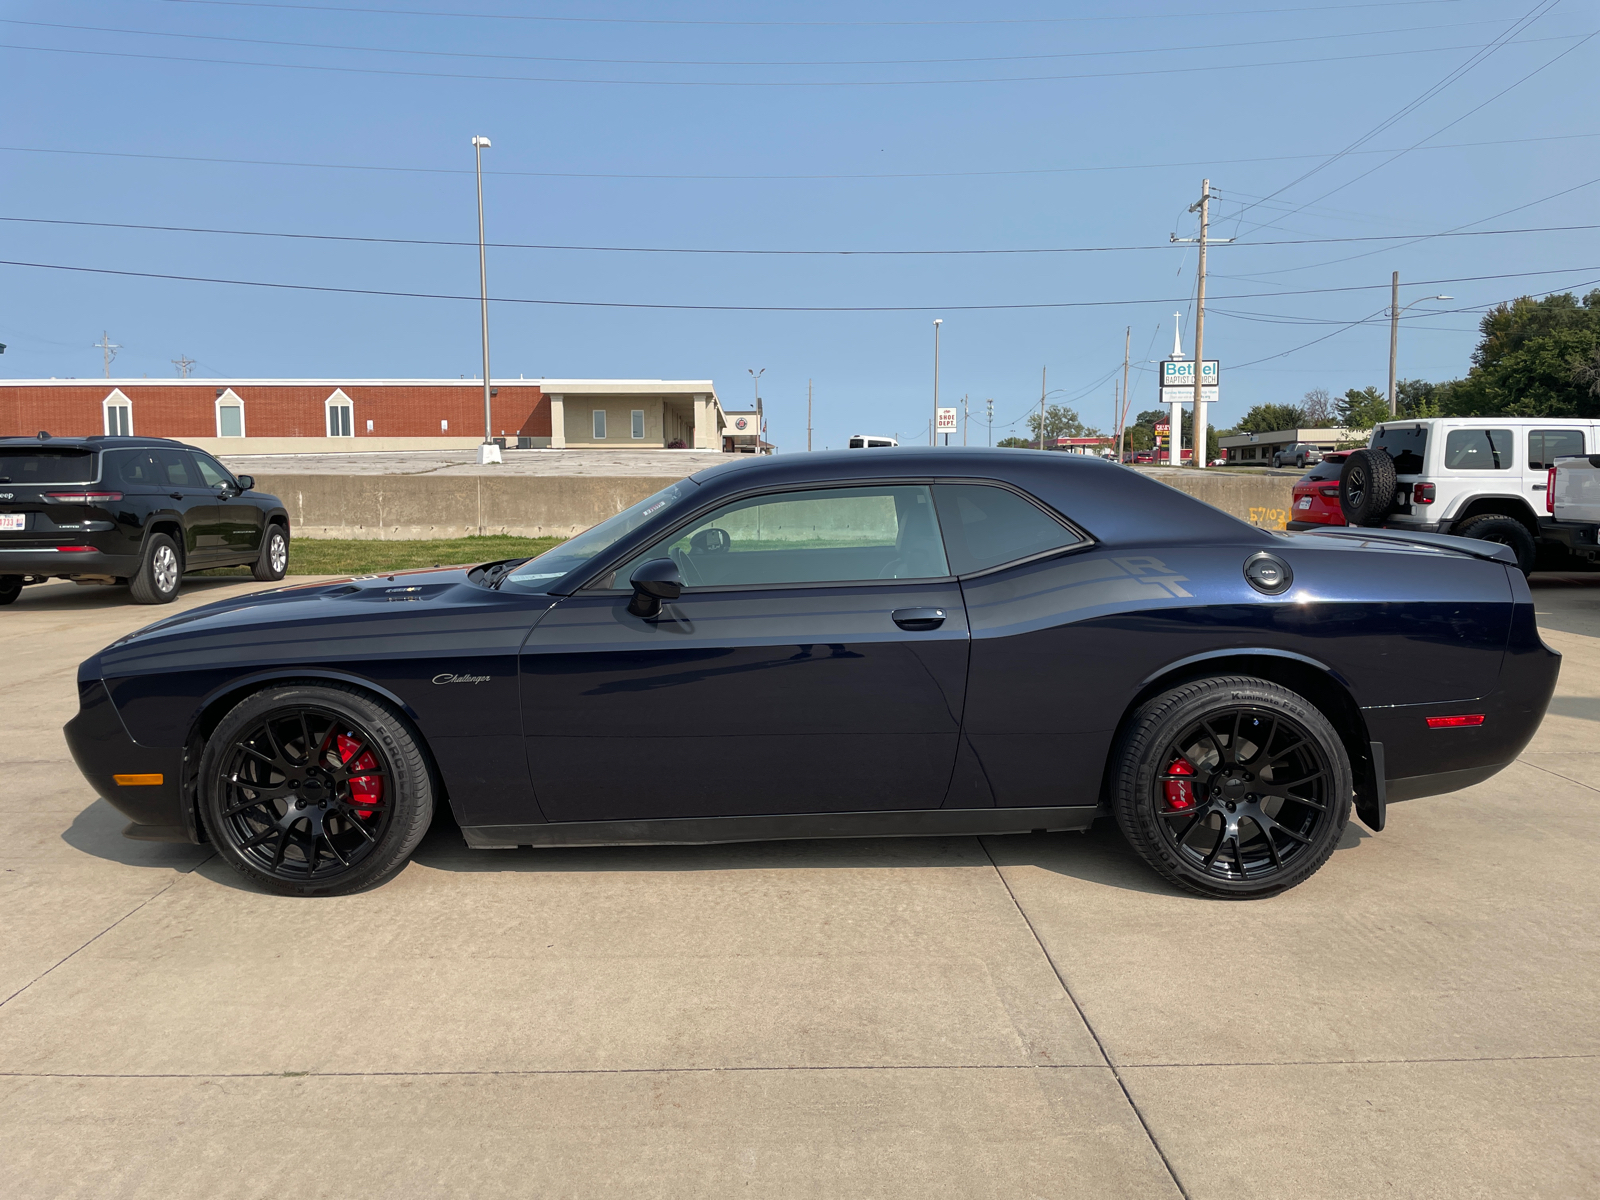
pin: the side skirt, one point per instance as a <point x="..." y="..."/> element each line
<point x="690" y="831"/>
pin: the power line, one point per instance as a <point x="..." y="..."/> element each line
<point x="393" y="241"/>
<point x="1161" y="166"/>
<point x="409" y="12"/>
<point x="480" y="77"/>
<point x="679" y="62"/>
<point x="776" y="308"/>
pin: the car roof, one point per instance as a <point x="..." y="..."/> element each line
<point x="94" y="441"/>
<point x="1111" y="502"/>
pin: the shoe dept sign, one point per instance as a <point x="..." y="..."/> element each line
<point x="1177" y="381"/>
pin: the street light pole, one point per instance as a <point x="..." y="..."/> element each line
<point x="934" y="424"/>
<point x="1394" y="334"/>
<point x="755" y="377"/>
<point x="489" y="451"/>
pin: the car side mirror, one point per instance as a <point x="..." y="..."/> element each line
<point x="653" y="582"/>
<point x="246" y="482"/>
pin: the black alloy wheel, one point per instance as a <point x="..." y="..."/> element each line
<point x="1234" y="788"/>
<point x="315" y="789"/>
<point x="1367" y="487"/>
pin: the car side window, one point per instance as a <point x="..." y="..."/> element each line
<point x="211" y="471"/>
<point x="986" y="526"/>
<point x="1547" y="445"/>
<point x="1478" y="450"/>
<point x="160" y="469"/>
<point x="831" y="535"/>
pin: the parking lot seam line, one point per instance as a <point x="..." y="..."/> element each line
<point x="1362" y="1062"/>
<point x="1558" y="775"/>
<point x="540" y="1071"/>
<point x="1093" y="1033"/>
<point x="87" y="944"/>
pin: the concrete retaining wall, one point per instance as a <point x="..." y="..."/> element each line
<point x="413" y="507"/>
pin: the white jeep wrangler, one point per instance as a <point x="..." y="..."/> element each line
<point x="1477" y="477"/>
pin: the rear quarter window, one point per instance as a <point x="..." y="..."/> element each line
<point x="26" y="465"/>
<point x="986" y="526"/>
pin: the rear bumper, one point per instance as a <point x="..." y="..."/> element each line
<point x="1577" y="536"/>
<point x="103" y="750"/>
<point x="37" y="560"/>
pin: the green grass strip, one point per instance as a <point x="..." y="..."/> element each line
<point x="347" y="556"/>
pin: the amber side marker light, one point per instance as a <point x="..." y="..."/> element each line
<point x="139" y="780"/>
<point x="1455" y="722"/>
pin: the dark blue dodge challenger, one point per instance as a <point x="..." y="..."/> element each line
<point x="835" y="645"/>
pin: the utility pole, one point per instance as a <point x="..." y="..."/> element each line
<point x="808" y="416"/>
<point x="1122" y="416"/>
<point x="966" y="418"/>
<point x="1041" y="406"/>
<point x="109" y="348"/>
<point x="1203" y="207"/>
<point x="989" y="404"/>
<point x="934" y="423"/>
<point x="183" y="362"/>
<point x="1394" y="334"/>
<point x="755" y="377"/>
<point x="488" y="452"/>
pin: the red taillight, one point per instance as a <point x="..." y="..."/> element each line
<point x="1550" y="491"/>
<point x="1179" y="793"/>
<point x="1467" y="722"/>
<point x="73" y="549"/>
<point x="1423" y="493"/>
<point x="1330" y="490"/>
<point x="83" y="497"/>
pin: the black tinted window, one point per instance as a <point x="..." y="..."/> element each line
<point x="1547" y="445"/>
<point x="985" y="526"/>
<point x="211" y="472"/>
<point x="160" y="469"/>
<point x="1478" y="450"/>
<point x="25" y="465"/>
<point x="1403" y="443"/>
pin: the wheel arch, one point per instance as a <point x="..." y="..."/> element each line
<point x="220" y="702"/>
<point x="1501" y="506"/>
<point x="1317" y="682"/>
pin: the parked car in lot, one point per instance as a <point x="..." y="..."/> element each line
<point x="1144" y="456"/>
<point x="129" y="510"/>
<point x="1572" y="506"/>
<point x="1316" y="494"/>
<point x="1477" y="477"/>
<point x="1301" y="454"/>
<point x="939" y="641"/>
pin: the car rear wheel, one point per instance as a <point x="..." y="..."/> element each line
<point x="1233" y="787"/>
<point x="160" y="573"/>
<point x="315" y="790"/>
<point x="274" y="561"/>
<point x="10" y="588"/>
<point x="1507" y="531"/>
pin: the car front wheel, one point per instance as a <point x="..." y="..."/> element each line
<point x="274" y="561"/>
<point x="1233" y="787"/>
<point x="315" y="790"/>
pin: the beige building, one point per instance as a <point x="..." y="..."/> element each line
<point x="613" y="414"/>
<point x="1260" y="447"/>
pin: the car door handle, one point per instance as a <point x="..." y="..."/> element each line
<point x="918" y="619"/>
<point x="176" y="495"/>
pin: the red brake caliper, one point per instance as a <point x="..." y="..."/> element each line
<point x="1179" y="792"/>
<point x="365" y="787"/>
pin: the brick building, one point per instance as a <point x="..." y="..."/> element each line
<point x="265" y="416"/>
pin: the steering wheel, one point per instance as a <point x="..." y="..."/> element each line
<point x="686" y="568"/>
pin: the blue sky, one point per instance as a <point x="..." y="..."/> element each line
<point x="866" y="127"/>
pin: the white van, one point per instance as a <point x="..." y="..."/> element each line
<point x="1482" y="477"/>
<point x="870" y="441"/>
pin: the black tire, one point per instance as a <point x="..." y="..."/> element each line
<point x="1507" y="531"/>
<point x="1238" y="832"/>
<point x="273" y="563"/>
<point x="1367" y="487"/>
<point x="1300" y="463"/>
<point x="287" y="776"/>
<point x="10" y="588"/>
<point x="160" y="574"/>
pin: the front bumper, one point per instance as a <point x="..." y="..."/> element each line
<point x="103" y="750"/>
<point x="47" y="560"/>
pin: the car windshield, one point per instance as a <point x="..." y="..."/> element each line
<point x="25" y="465"/>
<point x="538" y="573"/>
<point x="1403" y="443"/>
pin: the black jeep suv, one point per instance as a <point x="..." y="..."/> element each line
<point x="132" y="510"/>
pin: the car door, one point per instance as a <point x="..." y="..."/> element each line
<point x="237" y="521"/>
<point x="815" y="662"/>
<point x="1544" y="447"/>
<point x="169" y="479"/>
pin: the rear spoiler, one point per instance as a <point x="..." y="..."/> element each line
<point x="1438" y="541"/>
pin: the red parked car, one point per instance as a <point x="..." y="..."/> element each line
<point x="1316" y="494"/>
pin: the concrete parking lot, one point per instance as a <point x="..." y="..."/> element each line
<point x="1022" y="1016"/>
